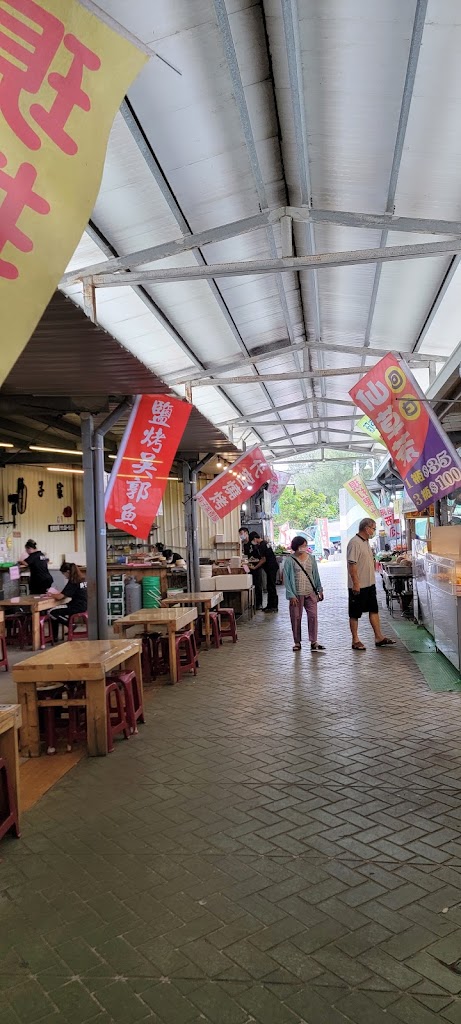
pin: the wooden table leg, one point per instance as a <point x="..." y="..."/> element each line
<point x="96" y="716"/>
<point x="35" y="630"/>
<point x="10" y="754"/>
<point x="29" y="734"/>
<point x="172" y="650"/>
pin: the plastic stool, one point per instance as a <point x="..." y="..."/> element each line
<point x="16" y="629"/>
<point x="3" y="654"/>
<point x="120" y="725"/>
<point x="193" y="640"/>
<point x="78" y="619"/>
<point x="185" y="657"/>
<point x="229" y="627"/>
<point x="11" y="820"/>
<point x="147" y="657"/>
<point x="134" y="710"/>
<point x="214" y="623"/>
<point x="161" y="656"/>
<point x="46" y="631"/>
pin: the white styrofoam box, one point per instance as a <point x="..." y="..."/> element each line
<point x="235" y="562"/>
<point x="206" y="570"/>
<point x="240" y="581"/>
<point x="208" y="583"/>
<point x="219" y="538"/>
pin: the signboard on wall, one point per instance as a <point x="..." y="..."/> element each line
<point x="61" y="528"/>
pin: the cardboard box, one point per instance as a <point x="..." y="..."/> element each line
<point x="241" y="581"/>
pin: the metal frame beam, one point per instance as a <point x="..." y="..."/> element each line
<point x="277" y="265"/>
<point x="376" y="221"/>
<point x="207" y="382"/>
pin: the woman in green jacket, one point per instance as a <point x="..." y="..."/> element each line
<point x="303" y="590"/>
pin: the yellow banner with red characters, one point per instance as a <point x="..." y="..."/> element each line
<point x="359" y="491"/>
<point x="63" y="75"/>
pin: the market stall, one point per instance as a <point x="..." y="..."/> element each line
<point x="443" y="574"/>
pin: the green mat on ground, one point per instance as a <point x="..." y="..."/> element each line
<point x="439" y="673"/>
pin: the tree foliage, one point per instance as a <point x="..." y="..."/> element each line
<point x="301" y="508"/>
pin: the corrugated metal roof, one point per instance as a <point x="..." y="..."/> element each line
<point x="68" y="356"/>
<point x="344" y="105"/>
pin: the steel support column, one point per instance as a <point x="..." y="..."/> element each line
<point x="90" y="534"/>
<point x="99" y="516"/>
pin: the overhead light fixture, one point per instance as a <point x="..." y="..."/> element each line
<point x="112" y="456"/>
<point x="6" y="444"/>
<point x="219" y="464"/>
<point x="58" y="451"/>
<point x="66" y="469"/>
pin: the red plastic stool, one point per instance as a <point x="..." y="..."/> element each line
<point x="147" y="657"/>
<point x="3" y="654"/>
<point x="214" y="623"/>
<point x="116" y="718"/>
<point x="228" y="628"/>
<point x="46" y="631"/>
<point x="161" y="656"/>
<point x="134" y="710"/>
<point x="51" y="692"/>
<point x="185" y="657"/>
<point x="193" y="640"/>
<point x="16" y="629"/>
<point x="78" y="619"/>
<point x="10" y="819"/>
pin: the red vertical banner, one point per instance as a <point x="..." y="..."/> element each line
<point x="232" y="487"/>
<point x="140" y="474"/>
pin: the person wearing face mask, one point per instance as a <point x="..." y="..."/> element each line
<point x="263" y="557"/>
<point x="304" y="590"/>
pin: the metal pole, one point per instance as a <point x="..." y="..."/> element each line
<point x="90" y="536"/>
<point x="189" y="504"/>
<point x="99" y="515"/>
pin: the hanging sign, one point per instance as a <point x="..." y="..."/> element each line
<point x="425" y="458"/>
<point x="277" y="484"/>
<point x="366" y="425"/>
<point x="324" y="534"/>
<point x="63" y="76"/>
<point x="387" y="515"/>
<point x="359" y="491"/>
<point x="235" y="485"/>
<point x="140" y="473"/>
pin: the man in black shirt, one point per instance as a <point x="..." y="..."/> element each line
<point x="268" y="562"/>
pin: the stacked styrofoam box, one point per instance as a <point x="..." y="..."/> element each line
<point x="241" y="581"/>
<point x="207" y="583"/>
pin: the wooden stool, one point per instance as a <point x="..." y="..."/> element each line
<point x="186" y="659"/>
<point x="134" y="710"/>
<point x="117" y="724"/>
<point x="46" y="631"/>
<point x="3" y="654"/>
<point x="78" y="619"/>
<point x="229" y="627"/>
<point x="10" y="820"/>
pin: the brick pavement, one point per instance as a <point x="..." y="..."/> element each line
<point x="280" y="844"/>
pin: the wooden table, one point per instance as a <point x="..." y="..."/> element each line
<point x="10" y="721"/>
<point x="168" y="620"/>
<point x="35" y="605"/>
<point x="86" y="661"/>
<point x="208" y="598"/>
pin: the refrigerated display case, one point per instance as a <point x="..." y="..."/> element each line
<point x="421" y="604"/>
<point x="443" y="574"/>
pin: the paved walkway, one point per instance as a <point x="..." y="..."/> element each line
<point x="280" y="844"/>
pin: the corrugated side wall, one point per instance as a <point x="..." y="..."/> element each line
<point x="45" y="511"/>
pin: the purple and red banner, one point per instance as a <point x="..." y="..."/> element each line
<point x="425" y="458"/>
<point x="140" y="474"/>
<point x="235" y="485"/>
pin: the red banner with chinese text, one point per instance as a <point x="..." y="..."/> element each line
<point x="63" y="75"/>
<point x="140" y="474"/>
<point x="425" y="458"/>
<point x="235" y="485"/>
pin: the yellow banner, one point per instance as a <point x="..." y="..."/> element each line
<point x="63" y="75"/>
<point x="360" y="493"/>
<point x="367" y="426"/>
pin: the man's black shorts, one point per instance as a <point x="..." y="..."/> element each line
<point x="360" y="604"/>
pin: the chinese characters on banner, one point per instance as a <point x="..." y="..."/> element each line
<point x="235" y="485"/>
<point x="140" y="474"/>
<point x="63" y="75"/>
<point x="277" y="485"/>
<point x="387" y="515"/>
<point x="359" y="491"/>
<point x="425" y="458"/>
<point x="324" y="534"/>
<point x="366" y="425"/>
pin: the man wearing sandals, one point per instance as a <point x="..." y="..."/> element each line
<point x="362" y="585"/>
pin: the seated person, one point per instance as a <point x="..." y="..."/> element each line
<point x="75" y="592"/>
